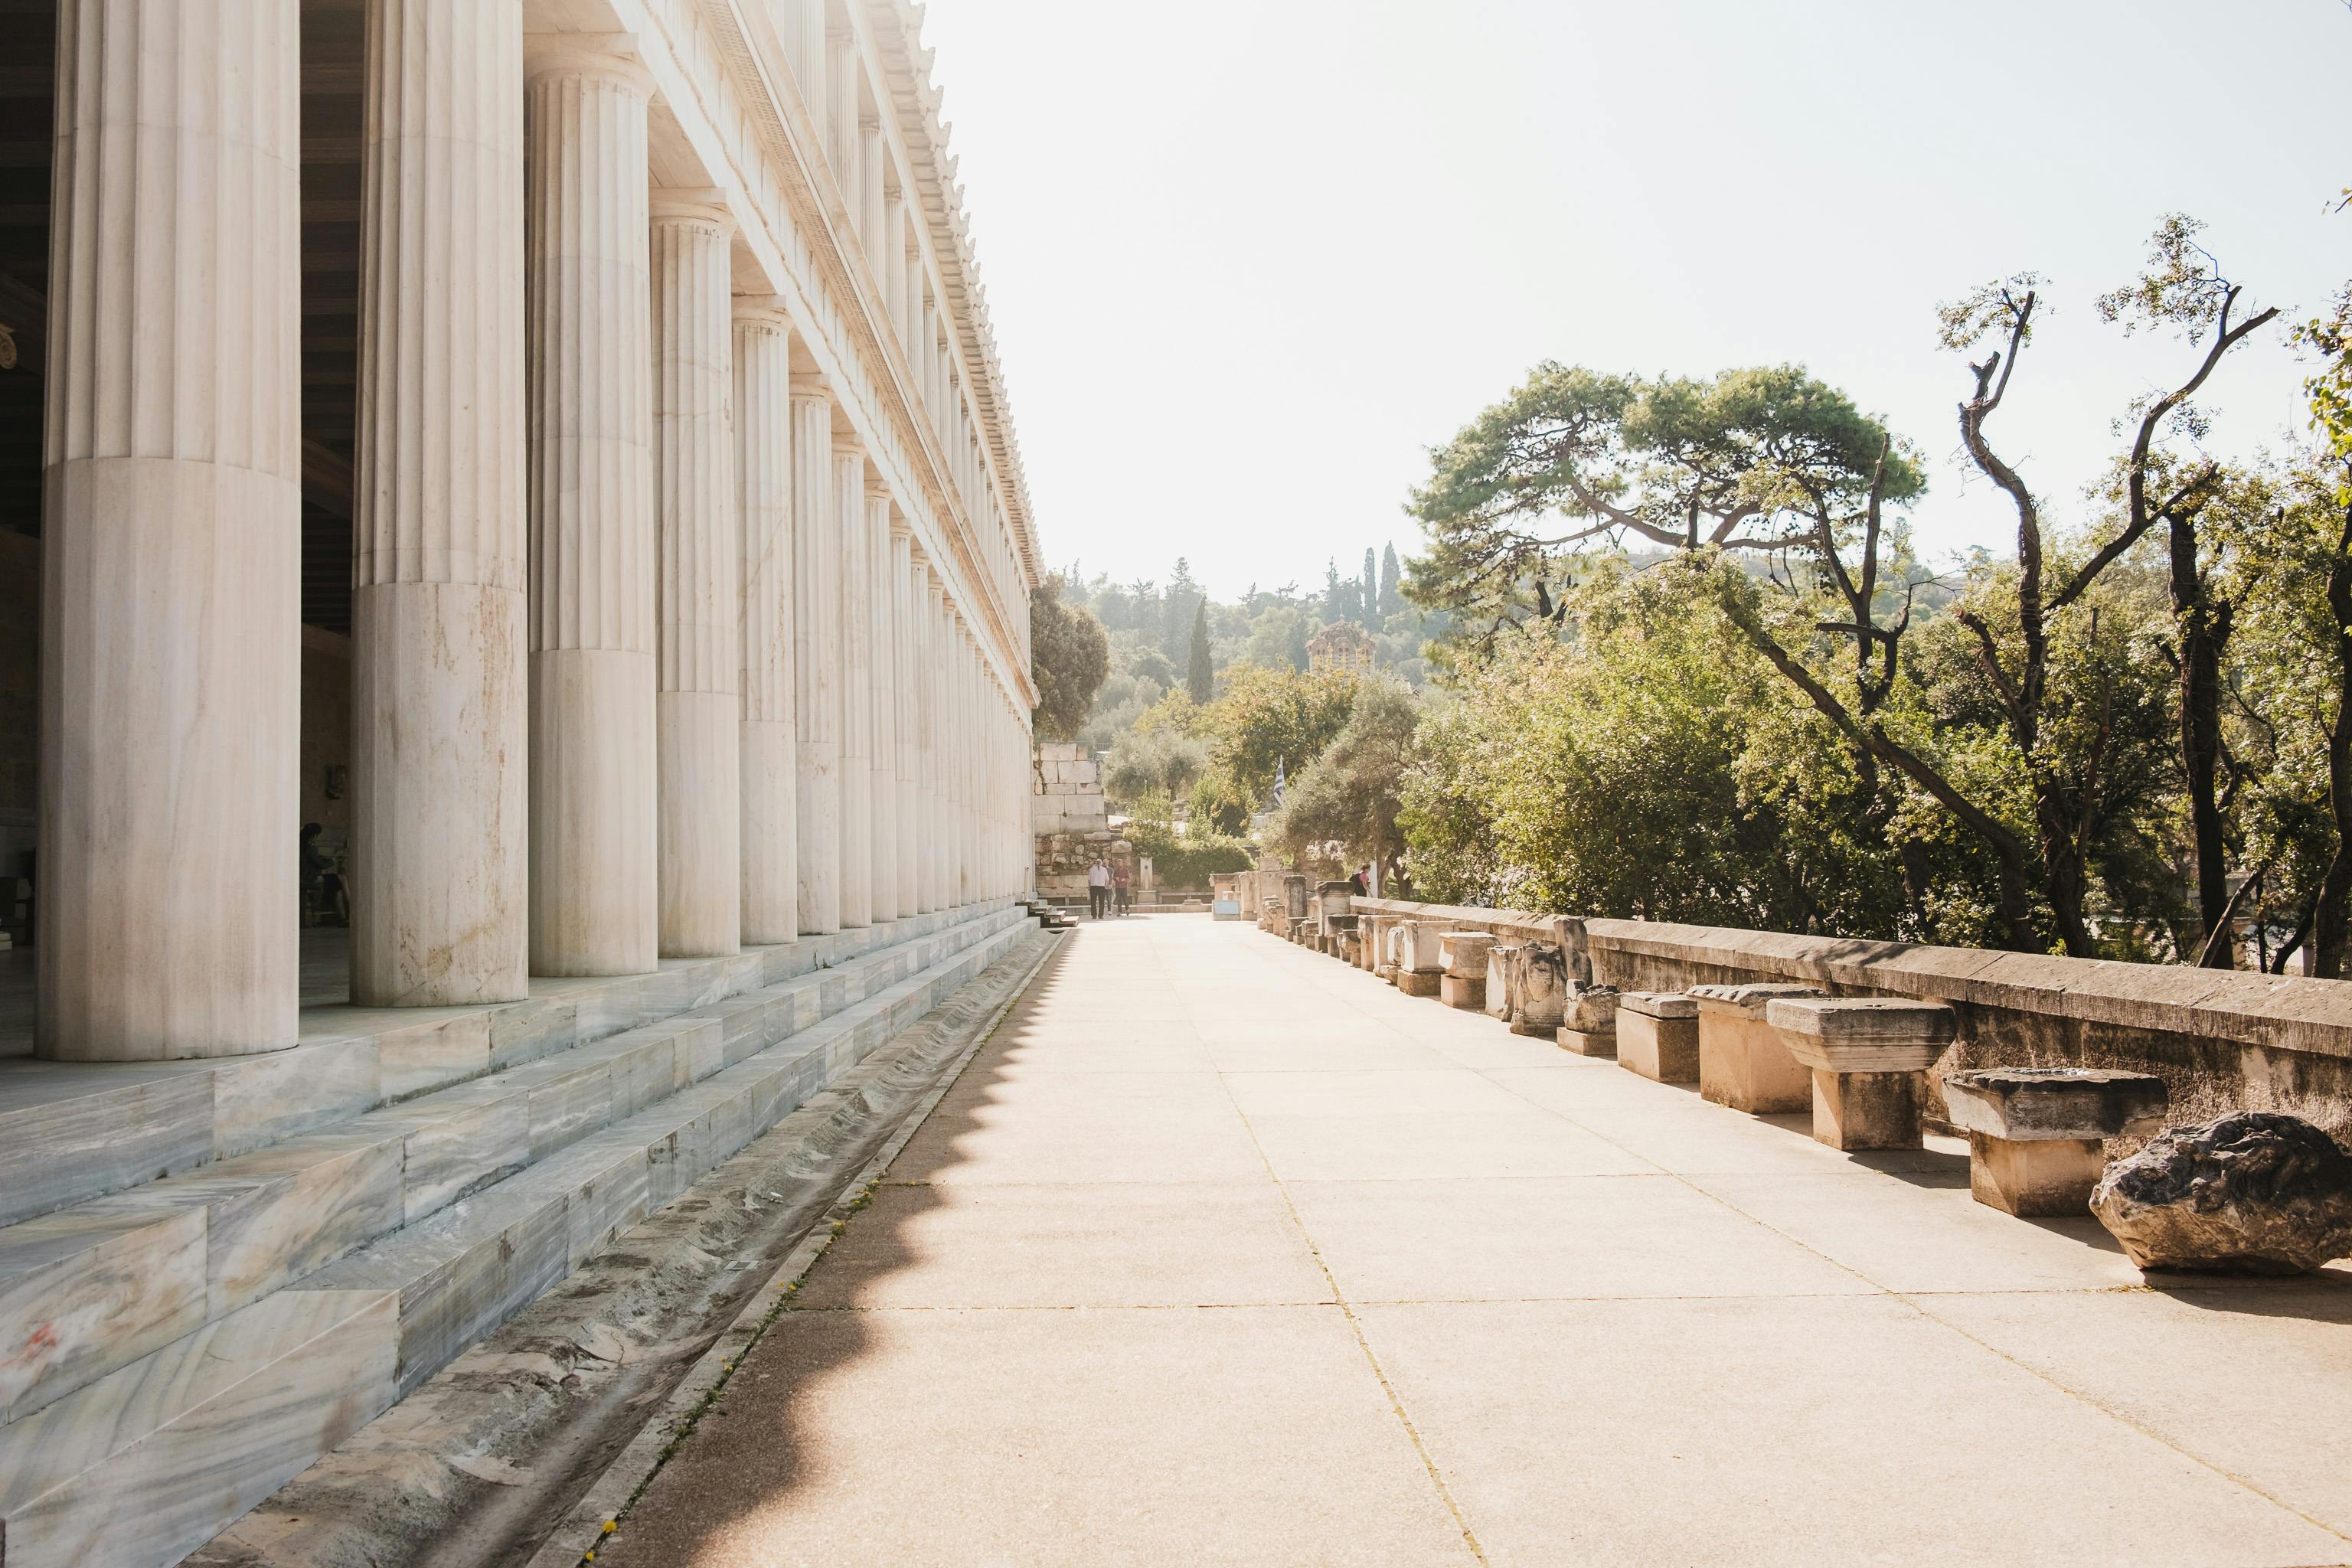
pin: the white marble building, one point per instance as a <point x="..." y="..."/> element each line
<point x="674" y="701"/>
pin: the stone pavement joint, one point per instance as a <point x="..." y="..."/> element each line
<point x="1222" y="1252"/>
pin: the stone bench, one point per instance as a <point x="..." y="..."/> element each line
<point x="1589" y="1022"/>
<point x="1741" y="1062"/>
<point x="1463" y="984"/>
<point x="2037" y="1136"/>
<point x="1869" y="1057"/>
<point x="1658" y="1034"/>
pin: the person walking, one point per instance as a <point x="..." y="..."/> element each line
<point x="1122" y="883"/>
<point x="1099" y="889"/>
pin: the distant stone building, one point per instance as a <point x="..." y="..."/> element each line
<point x="1342" y="646"/>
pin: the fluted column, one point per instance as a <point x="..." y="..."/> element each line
<point x="171" y="539"/>
<point x="763" y="508"/>
<point x="905" y="715"/>
<point x="697" y="712"/>
<point x="892" y="262"/>
<point x="816" y="657"/>
<point x="854" y="847"/>
<point x="592" y="855"/>
<point x="440" y="902"/>
<point x="885" y="689"/>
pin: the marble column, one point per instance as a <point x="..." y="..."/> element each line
<point x="763" y="508"/>
<point x="892" y="262"/>
<point x="804" y="35"/>
<point x="816" y="657"/>
<point x="171" y="535"/>
<point x="592" y="857"/>
<point x="854" y="617"/>
<point x="697" y="718"/>
<point x="884" y="690"/>
<point x="906" y="716"/>
<point x="440" y="898"/>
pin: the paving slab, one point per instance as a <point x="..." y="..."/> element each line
<point x="1223" y="1252"/>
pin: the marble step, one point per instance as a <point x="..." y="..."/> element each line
<point x="198" y="1430"/>
<point x="141" y="1466"/>
<point x="463" y="1272"/>
<point x="75" y="1131"/>
<point x="88" y="1288"/>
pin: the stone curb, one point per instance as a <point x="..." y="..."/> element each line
<point x="607" y="1500"/>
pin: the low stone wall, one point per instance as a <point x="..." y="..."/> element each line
<point x="2221" y="1040"/>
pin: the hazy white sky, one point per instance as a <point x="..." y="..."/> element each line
<point x="1249" y="259"/>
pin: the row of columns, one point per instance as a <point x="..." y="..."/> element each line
<point x="646" y="661"/>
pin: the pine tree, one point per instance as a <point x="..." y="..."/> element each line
<point x="1391" y="600"/>
<point x="1200" y="671"/>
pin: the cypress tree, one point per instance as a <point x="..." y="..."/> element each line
<point x="1200" y="671"/>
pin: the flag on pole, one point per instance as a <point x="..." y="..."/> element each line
<point x="1278" y="783"/>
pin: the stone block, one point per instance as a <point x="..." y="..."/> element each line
<point x="1590" y="1010"/>
<point x="1419" y="981"/>
<point x="1464" y="954"/>
<point x="1868" y="1109"/>
<point x="2027" y="1104"/>
<point x="2042" y="1176"/>
<point x="1741" y="1061"/>
<point x="93" y="1288"/>
<point x="75" y="1131"/>
<point x="1657" y="1036"/>
<point x="1465" y="992"/>
<point x="1869" y="1057"/>
<point x="1499" y="959"/>
<point x="2037" y="1135"/>
<point x="1540" y="990"/>
<point x="1587" y="1043"/>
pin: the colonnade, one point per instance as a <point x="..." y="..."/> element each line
<point x="649" y="657"/>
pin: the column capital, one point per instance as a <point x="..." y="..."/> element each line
<point x="845" y="444"/>
<point x="605" y="56"/>
<point x="690" y="203"/>
<point x="765" y="309"/>
<point x="809" y="387"/>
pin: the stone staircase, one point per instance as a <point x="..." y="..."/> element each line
<point x="211" y="1273"/>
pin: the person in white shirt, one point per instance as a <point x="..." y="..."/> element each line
<point x="1099" y="888"/>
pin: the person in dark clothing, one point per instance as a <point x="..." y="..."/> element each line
<point x="1123" y="887"/>
<point x="1358" y="883"/>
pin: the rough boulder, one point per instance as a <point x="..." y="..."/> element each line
<point x="2253" y="1193"/>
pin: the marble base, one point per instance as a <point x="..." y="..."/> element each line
<point x="1742" y="1063"/>
<point x="1419" y="981"/>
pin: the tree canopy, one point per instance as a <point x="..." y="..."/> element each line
<point x="1069" y="654"/>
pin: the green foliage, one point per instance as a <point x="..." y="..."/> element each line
<point x="1219" y="804"/>
<point x="1187" y="861"/>
<point x="1349" y="795"/>
<point x="1070" y="655"/>
<point x="1749" y="459"/>
<point x="1163" y="761"/>
<point x="1201" y="669"/>
<point x="1269" y="716"/>
<point x="1649" y="765"/>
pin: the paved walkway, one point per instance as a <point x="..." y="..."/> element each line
<point x="1223" y="1252"/>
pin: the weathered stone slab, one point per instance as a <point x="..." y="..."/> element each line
<point x="2252" y="1193"/>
